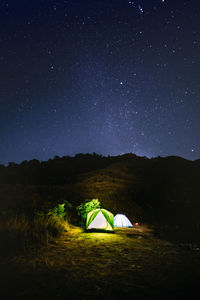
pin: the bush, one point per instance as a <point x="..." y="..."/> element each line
<point x="86" y="207"/>
<point x="61" y="211"/>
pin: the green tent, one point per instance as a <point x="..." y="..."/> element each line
<point x="100" y="219"/>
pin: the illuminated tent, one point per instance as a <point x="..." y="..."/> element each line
<point x="100" y="219"/>
<point x="122" y="221"/>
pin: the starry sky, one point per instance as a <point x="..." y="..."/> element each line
<point x="111" y="77"/>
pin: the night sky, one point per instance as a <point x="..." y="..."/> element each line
<point x="104" y="76"/>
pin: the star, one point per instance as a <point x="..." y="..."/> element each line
<point x="140" y="9"/>
<point x="99" y="77"/>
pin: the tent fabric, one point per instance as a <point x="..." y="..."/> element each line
<point x="100" y="219"/>
<point x="121" y="220"/>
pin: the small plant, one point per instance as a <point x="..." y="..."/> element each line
<point x="61" y="211"/>
<point x="86" y="207"/>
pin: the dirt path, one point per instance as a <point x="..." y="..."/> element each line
<point x="103" y="266"/>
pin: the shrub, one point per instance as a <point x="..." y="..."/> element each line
<point x="86" y="207"/>
<point x="61" y="211"/>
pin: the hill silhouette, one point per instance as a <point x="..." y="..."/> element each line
<point x="163" y="192"/>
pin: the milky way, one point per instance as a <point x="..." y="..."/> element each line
<point x="109" y="77"/>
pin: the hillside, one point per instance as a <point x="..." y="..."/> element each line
<point x="46" y="257"/>
<point x="163" y="192"/>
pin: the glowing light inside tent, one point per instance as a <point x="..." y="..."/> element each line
<point x="98" y="222"/>
<point x="100" y="219"/>
<point x="121" y="220"/>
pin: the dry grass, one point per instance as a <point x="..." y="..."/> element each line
<point x="19" y="232"/>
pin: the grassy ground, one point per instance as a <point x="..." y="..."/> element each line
<point x="130" y="263"/>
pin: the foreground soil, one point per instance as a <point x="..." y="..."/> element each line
<point x="130" y="263"/>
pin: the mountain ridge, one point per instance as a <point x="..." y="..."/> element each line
<point x="162" y="191"/>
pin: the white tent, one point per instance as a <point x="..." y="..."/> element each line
<point x="122" y="221"/>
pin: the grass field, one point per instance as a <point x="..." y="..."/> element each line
<point x="130" y="263"/>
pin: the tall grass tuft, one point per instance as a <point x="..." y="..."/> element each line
<point x="18" y="232"/>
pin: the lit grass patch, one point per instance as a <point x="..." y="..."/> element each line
<point x="19" y="232"/>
